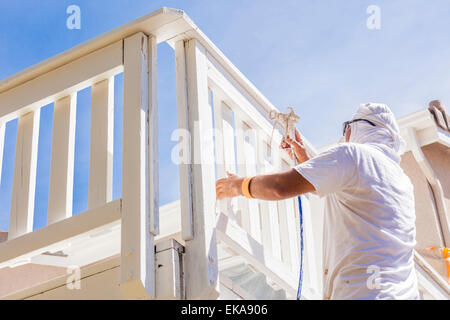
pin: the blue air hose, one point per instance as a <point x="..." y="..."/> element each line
<point x="300" y="280"/>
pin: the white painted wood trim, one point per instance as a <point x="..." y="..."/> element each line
<point x="187" y="223"/>
<point x="87" y="272"/>
<point x="219" y="136"/>
<point x="169" y="273"/>
<point x="433" y="179"/>
<point x="254" y="253"/>
<point x="269" y="211"/>
<point x="56" y="234"/>
<point x="61" y="82"/>
<point x="288" y="229"/>
<point x="245" y="221"/>
<point x="24" y="181"/>
<point x="137" y="248"/>
<point x="229" y="157"/>
<point x="102" y="143"/>
<point x="153" y="168"/>
<point x="251" y="170"/>
<point x="62" y="161"/>
<point x="429" y="279"/>
<point x="235" y="288"/>
<point x="219" y="139"/>
<point x="164" y="23"/>
<point x="201" y="262"/>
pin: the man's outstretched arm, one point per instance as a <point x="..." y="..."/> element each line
<point x="276" y="186"/>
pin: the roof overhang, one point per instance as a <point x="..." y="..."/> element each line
<point x="426" y="128"/>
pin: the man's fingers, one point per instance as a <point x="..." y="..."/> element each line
<point x="284" y="144"/>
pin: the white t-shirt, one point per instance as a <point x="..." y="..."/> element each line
<point x="369" y="222"/>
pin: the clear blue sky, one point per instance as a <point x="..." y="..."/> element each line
<point x="318" y="56"/>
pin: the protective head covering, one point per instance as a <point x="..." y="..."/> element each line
<point x="385" y="134"/>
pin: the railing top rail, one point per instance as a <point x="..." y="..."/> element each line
<point x="162" y="23"/>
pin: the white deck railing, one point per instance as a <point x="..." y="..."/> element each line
<point x="210" y="90"/>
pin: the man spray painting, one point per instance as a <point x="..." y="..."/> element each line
<point x="369" y="226"/>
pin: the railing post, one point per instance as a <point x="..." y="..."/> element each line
<point x="137" y="243"/>
<point x="201" y="265"/>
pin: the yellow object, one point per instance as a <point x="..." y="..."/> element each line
<point x="445" y="255"/>
<point x="245" y="187"/>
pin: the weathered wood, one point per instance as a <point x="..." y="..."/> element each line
<point x="62" y="162"/>
<point x="24" y="181"/>
<point x="187" y="223"/>
<point x="169" y="270"/>
<point x="137" y="249"/>
<point x="61" y="82"/>
<point x="102" y="143"/>
<point x="202" y="277"/>
<point x="153" y="168"/>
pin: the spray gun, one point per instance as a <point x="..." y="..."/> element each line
<point x="286" y="121"/>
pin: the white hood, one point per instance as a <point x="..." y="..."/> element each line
<point x="385" y="134"/>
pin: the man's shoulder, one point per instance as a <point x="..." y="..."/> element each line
<point x="347" y="148"/>
<point x="351" y="151"/>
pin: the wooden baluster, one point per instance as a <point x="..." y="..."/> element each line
<point x="250" y="146"/>
<point x="62" y="162"/>
<point x="24" y="181"/>
<point x="269" y="210"/>
<point x="102" y="143"/>
<point x="246" y="152"/>
<point x="137" y="246"/>
<point x="220" y="144"/>
<point x="223" y="118"/>
<point x="201" y="265"/>
<point x="241" y="127"/>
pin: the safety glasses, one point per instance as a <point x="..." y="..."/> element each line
<point x="347" y="123"/>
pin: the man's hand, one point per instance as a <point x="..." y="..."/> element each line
<point x="298" y="146"/>
<point x="229" y="187"/>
